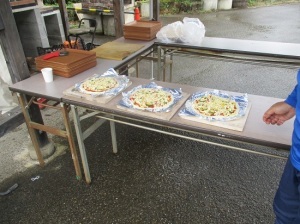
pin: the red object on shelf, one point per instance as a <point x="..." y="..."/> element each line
<point x="137" y="15"/>
<point x="51" y="55"/>
<point x="67" y="66"/>
<point x="41" y="100"/>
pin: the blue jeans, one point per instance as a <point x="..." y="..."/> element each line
<point x="287" y="199"/>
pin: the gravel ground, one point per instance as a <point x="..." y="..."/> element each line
<point x="156" y="178"/>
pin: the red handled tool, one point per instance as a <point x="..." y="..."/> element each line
<point x="55" y="54"/>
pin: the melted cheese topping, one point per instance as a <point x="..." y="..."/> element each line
<point x="212" y="105"/>
<point x="151" y="98"/>
<point x="100" y="84"/>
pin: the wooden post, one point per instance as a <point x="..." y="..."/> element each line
<point x="64" y="16"/>
<point x="156" y="10"/>
<point x="16" y="60"/>
<point x="118" y="17"/>
<point x="11" y="44"/>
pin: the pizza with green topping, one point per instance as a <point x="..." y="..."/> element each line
<point x="98" y="84"/>
<point x="215" y="106"/>
<point x="151" y="98"/>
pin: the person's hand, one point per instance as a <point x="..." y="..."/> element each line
<point x="278" y="113"/>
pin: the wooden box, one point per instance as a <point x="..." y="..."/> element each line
<point x="67" y="66"/>
<point x="141" y="30"/>
<point x="22" y="3"/>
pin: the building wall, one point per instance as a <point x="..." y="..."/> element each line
<point x="31" y="29"/>
<point x="102" y="4"/>
<point x="97" y="4"/>
<point x="105" y="20"/>
<point x="6" y="99"/>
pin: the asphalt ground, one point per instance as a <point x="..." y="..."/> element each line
<point x="156" y="178"/>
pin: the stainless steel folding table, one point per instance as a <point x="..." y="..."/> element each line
<point x="255" y="130"/>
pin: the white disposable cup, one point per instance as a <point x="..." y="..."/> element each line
<point x="47" y="74"/>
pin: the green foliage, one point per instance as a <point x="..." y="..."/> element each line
<point x="178" y="6"/>
<point x="55" y="2"/>
<point x="195" y="6"/>
<point x="259" y="3"/>
<point x="252" y="2"/>
<point x="71" y="13"/>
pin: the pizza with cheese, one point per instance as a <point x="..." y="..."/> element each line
<point x="99" y="84"/>
<point x="151" y="98"/>
<point x="215" y="106"/>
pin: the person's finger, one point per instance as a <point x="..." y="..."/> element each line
<point x="266" y="117"/>
<point x="268" y="114"/>
<point x="274" y="119"/>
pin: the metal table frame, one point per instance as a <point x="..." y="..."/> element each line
<point x="33" y="126"/>
<point x="280" y="54"/>
<point x="112" y="118"/>
<point x="284" y="55"/>
<point x="110" y="112"/>
<point x="29" y="90"/>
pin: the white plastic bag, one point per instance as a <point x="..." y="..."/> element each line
<point x="170" y="33"/>
<point x="190" y="31"/>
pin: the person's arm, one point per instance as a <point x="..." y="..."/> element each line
<point x="282" y="111"/>
<point x="279" y="113"/>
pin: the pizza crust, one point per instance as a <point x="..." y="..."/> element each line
<point x="151" y="98"/>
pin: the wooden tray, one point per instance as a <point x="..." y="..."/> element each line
<point x="22" y="2"/>
<point x="70" y="73"/>
<point x="67" y="66"/>
<point x="98" y="99"/>
<point x="60" y="67"/>
<point x="141" y="30"/>
<point x="236" y="125"/>
<point x="116" y="50"/>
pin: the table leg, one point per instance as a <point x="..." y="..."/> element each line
<point x="34" y="128"/>
<point x="164" y="65"/>
<point x="113" y="136"/>
<point x="80" y="140"/>
<point x="31" y="130"/>
<point x="137" y="67"/>
<point x="171" y="67"/>
<point x="71" y="141"/>
<point x="158" y="62"/>
<point x="152" y="66"/>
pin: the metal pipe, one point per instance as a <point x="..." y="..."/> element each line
<point x="95" y="10"/>
<point x="192" y="138"/>
<point x="236" y="57"/>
